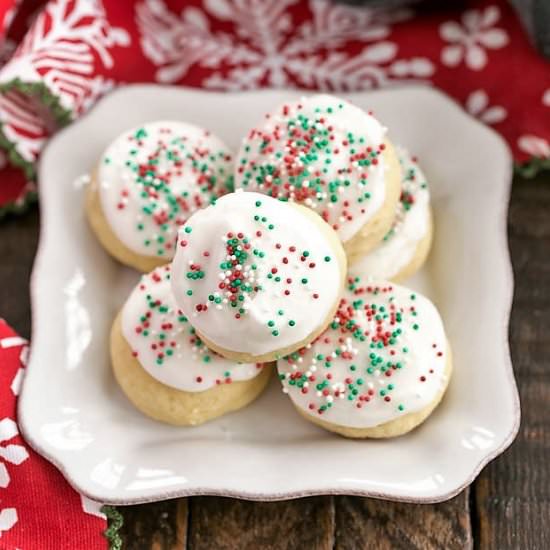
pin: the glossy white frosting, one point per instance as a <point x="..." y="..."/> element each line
<point x="410" y="226"/>
<point x="322" y="152"/>
<point x="165" y="343"/>
<point x="289" y="280"/>
<point x="360" y="376"/>
<point x="153" y="177"/>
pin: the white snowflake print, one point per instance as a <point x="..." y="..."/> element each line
<point x="8" y="518"/>
<point x="270" y="49"/>
<point x="176" y="43"/>
<point x="546" y="98"/>
<point x="534" y="145"/>
<point x="469" y="40"/>
<point x="17" y="382"/>
<point x="15" y="341"/>
<point x="477" y="104"/>
<point x="9" y="453"/>
<point x="10" y="341"/>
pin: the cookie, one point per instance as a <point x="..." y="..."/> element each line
<point x="379" y="370"/>
<point x="257" y="277"/>
<point x="165" y="369"/>
<point x="406" y="246"/>
<point x="329" y="155"/>
<point x="146" y="185"/>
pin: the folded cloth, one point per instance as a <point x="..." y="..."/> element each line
<point x="38" y="508"/>
<point x="77" y="50"/>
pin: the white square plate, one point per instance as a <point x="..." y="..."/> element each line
<point x="73" y="413"/>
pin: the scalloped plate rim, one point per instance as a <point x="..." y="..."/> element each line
<point x="24" y="412"/>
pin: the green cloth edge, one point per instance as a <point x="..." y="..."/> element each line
<point x="532" y="167"/>
<point x="40" y="91"/>
<point x="114" y="523"/>
<point x="62" y="117"/>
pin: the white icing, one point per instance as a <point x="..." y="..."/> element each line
<point x="331" y="183"/>
<point x="261" y="327"/>
<point x="190" y="366"/>
<point x="145" y="203"/>
<point x="409" y="227"/>
<point x="356" y="345"/>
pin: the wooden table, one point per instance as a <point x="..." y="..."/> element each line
<point x="507" y="507"/>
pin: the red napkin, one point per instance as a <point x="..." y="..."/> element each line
<point x="77" y="50"/>
<point x="38" y="509"/>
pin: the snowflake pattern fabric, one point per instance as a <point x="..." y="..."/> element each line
<point x="77" y="50"/>
<point x="38" y="509"/>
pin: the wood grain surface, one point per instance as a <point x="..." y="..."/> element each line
<point x="226" y="524"/>
<point x="369" y="523"/>
<point x="508" y="507"/>
<point x="512" y="495"/>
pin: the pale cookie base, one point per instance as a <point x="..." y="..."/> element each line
<point x="393" y="428"/>
<point x="376" y="228"/>
<point x="420" y="254"/>
<point x="338" y="251"/>
<point x="173" y="406"/>
<point x="105" y="235"/>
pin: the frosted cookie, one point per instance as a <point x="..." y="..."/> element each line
<point x="380" y="368"/>
<point x="166" y="370"/>
<point x="148" y="182"/>
<point x="257" y="277"/>
<point x="405" y="247"/>
<point x="331" y="156"/>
